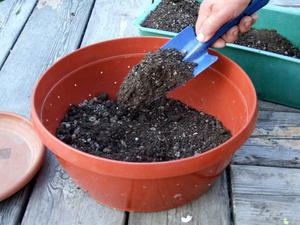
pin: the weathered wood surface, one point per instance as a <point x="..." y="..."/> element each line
<point x="275" y="141"/>
<point x="113" y="19"/>
<point x="57" y="200"/>
<point x="265" y="195"/>
<point x="49" y="34"/>
<point x="269" y="106"/>
<point x="211" y="209"/>
<point x="13" y="16"/>
<point x="11" y="209"/>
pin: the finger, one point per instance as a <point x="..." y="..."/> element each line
<point x="204" y="12"/>
<point x="220" y="43"/>
<point x="211" y="24"/>
<point x="231" y="35"/>
<point x="254" y="17"/>
<point x="245" y="24"/>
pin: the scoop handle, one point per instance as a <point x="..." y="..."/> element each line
<point x="252" y="8"/>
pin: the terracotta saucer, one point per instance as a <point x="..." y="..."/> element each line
<point x="21" y="153"/>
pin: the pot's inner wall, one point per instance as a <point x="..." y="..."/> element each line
<point x="223" y="90"/>
<point x="211" y="92"/>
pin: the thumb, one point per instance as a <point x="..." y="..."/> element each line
<point x="204" y="12"/>
<point x="212" y="23"/>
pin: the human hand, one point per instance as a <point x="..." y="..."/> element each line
<point x="215" y="13"/>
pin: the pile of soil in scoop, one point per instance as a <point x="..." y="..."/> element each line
<point x="164" y="130"/>
<point x="173" y="15"/>
<point x="268" y="40"/>
<point x="160" y="130"/>
<point x="158" y="73"/>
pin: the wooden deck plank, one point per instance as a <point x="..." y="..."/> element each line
<point x="211" y="208"/>
<point x="269" y="106"/>
<point x="262" y="155"/>
<point x="113" y="19"/>
<point x="265" y="195"/>
<point x="11" y="209"/>
<point x="13" y="16"/>
<point x="52" y="31"/>
<point x="57" y="200"/>
<point x="275" y="141"/>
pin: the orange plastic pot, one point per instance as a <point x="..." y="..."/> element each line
<point x="224" y="90"/>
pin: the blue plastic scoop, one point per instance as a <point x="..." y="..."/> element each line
<point x="196" y="51"/>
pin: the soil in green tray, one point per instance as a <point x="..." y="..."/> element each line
<point x="268" y="40"/>
<point x="173" y="15"/>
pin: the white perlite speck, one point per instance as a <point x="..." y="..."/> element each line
<point x="186" y="219"/>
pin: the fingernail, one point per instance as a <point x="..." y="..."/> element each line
<point x="248" y="20"/>
<point x="235" y="33"/>
<point x="248" y="24"/>
<point x="200" y="37"/>
<point x="254" y="16"/>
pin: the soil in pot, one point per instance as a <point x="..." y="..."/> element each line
<point x="164" y="130"/>
<point x="268" y="40"/>
<point x="173" y="15"/>
<point x="152" y="131"/>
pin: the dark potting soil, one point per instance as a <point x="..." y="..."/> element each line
<point x="164" y="130"/>
<point x="173" y="15"/>
<point x="157" y="73"/>
<point x="268" y="40"/>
